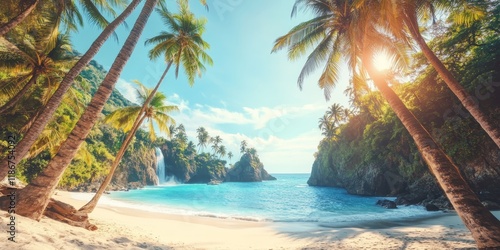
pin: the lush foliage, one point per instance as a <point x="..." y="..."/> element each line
<point x="373" y="138"/>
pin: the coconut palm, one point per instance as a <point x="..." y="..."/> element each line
<point x="230" y="155"/>
<point x="342" y="28"/>
<point x="243" y="146"/>
<point x="181" y="45"/>
<point x="66" y="12"/>
<point x="26" y="9"/>
<point x="129" y="119"/>
<point x="48" y="110"/>
<point x="33" y="60"/>
<point x="327" y="126"/>
<point x="181" y="135"/>
<point x="221" y="151"/>
<point x="216" y="141"/>
<point x="336" y="113"/>
<point x="403" y="16"/>
<point x="203" y="138"/>
<point x="44" y="184"/>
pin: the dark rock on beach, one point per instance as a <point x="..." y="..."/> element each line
<point x="387" y="204"/>
<point x="431" y="208"/>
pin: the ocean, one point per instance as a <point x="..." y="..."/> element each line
<point x="288" y="199"/>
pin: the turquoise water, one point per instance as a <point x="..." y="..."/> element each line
<point x="289" y="199"/>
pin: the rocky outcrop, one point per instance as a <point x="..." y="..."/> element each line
<point x="248" y="169"/>
<point x="422" y="188"/>
<point x="386" y="204"/>
<point x="367" y="180"/>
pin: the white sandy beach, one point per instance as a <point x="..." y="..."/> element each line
<point x="123" y="228"/>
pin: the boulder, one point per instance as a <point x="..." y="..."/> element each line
<point x="431" y="207"/>
<point x="387" y="204"/>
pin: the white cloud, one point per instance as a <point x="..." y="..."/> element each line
<point x="127" y="89"/>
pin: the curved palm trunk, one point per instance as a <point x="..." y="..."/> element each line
<point x="18" y="19"/>
<point x="14" y="100"/>
<point x="467" y="100"/>
<point x="483" y="225"/>
<point x="33" y="199"/>
<point x="55" y="100"/>
<point x="89" y="207"/>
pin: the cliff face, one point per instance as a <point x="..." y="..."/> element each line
<point x="367" y="179"/>
<point x="248" y="169"/>
<point x="415" y="187"/>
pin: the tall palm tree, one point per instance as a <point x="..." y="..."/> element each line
<point x="335" y="113"/>
<point x="34" y="59"/>
<point x="44" y="184"/>
<point x="230" y="156"/>
<point x="66" y="12"/>
<point x="404" y="16"/>
<point x="243" y="146"/>
<point x="345" y="29"/>
<point x="327" y="126"/>
<point x="203" y="138"/>
<point x="182" y="44"/>
<point x="130" y="119"/>
<point x="222" y="151"/>
<point x="216" y="141"/>
<point x="55" y="100"/>
<point x="28" y="8"/>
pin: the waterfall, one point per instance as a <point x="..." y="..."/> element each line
<point x="160" y="166"/>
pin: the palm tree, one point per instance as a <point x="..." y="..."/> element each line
<point x="181" y="135"/>
<point x="20" y="17"/>
<point x="403" y="16"/>
<point x="67" y="12"/>
<point x="44" y="184"/>
<point x="216" y="141"/>
<point x="37" y="59"/>
<point x="335" y="113"/>
<point x="327" y="126"/>
<point x="55" y="100"/>
<point x="182" y="45"/>
<point x="130" y="119"/>
<point x="203" y="138"/>
<point x="345" y="29"/>
<point x="230" y="155"/>
<point x="221" y="151"/>
<point x="243" y="146"/>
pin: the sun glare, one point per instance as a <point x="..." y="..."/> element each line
<point x="382" y="61"/>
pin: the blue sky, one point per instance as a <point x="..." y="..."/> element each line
<point x="248" y="94"/>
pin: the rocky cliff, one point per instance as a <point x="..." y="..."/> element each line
<point x="248" y="169"/>
<point x="415" y="187"/>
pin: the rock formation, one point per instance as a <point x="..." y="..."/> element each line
<point x="248" y="169"/>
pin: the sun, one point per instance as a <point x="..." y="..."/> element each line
<point x="382" y="61"/>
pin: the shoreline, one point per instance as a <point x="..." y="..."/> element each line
<point x="112" y="202"/>
<point x="128" y="228"/>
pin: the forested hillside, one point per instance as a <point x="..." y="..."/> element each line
<point x="368" y="151"/>
<point x="97" y="154"/>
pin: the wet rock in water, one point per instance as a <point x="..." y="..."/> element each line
<point x="431" y="207"/>
<point x="387" y="204"/>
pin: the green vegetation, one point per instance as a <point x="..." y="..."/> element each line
<point x="373" y="135"/>
<point x="361" y="32"/>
